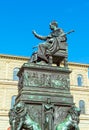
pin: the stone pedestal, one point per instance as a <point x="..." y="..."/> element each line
<point x="45" y="91"/>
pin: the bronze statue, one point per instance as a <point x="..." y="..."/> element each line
<point x="51" y="45"/>
<point x="71" y="121"/>
<point x="44" y="94"/>
<point x="48" y="115"/>
<point x="22" y="120"/>
<point x="50" y="39"/>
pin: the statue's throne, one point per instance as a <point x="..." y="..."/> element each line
<point x="59" y="54"/>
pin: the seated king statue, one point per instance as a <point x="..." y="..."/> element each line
<point x="47" y="48"/>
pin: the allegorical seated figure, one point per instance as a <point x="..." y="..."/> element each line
<point x="71" y="121"/>
<point x="22" y="120"/>
<point x="51" y="42"/>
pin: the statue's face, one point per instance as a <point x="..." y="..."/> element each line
<point x="52" y="27"/>
<point x="19" y="106"/>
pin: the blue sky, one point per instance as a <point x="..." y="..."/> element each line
<point x="19" y="17"/>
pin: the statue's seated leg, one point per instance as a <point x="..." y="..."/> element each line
<point x="34" y="57"/>
<point x="50" y="60"/>
<point x="42" y="52"/>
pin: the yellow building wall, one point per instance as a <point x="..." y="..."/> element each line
<point x="80" y="93"/>
<point x="8" y="88"/>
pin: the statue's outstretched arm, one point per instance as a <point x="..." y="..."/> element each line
<point x="39" y="36"/>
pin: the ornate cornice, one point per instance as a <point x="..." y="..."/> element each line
<point x="78" y="64"/>
<point x="14" y="57"/>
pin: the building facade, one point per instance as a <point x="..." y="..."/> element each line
<point x="79" y="86"/>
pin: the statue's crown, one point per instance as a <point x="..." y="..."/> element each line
<point x="54" y="23"/>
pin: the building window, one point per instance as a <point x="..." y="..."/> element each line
<point x="82" y="106"/>
<point x="15" y="71"/>
<point x="80" y="80"/>
<point x="13" y="101"/>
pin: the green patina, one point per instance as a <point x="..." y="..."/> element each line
<point x="44" y="98"/>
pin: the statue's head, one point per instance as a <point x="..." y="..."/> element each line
<point x="53" y="25"/>
<point x="20" y="107"/>
<point x="75" y="110"/>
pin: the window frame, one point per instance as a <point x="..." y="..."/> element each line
<point x="82" y="106"/>
<point x="13" y="98"/>
<point x="80" y="80"/>
<point x="15" y="71"/>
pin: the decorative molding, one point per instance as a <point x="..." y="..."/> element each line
<point x="78" y="64"/>
<point x="14" y="57"/>
<point x="4" y="82"/>
<point x="82" y="88"/>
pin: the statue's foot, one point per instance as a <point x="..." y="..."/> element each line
<point x="43" y="58"/>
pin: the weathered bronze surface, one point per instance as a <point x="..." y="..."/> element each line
<point x="54" y="49"/>
<point x="44" y="101"/>
<point x="71" y="121"/>
<point x="44" y="76"/>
